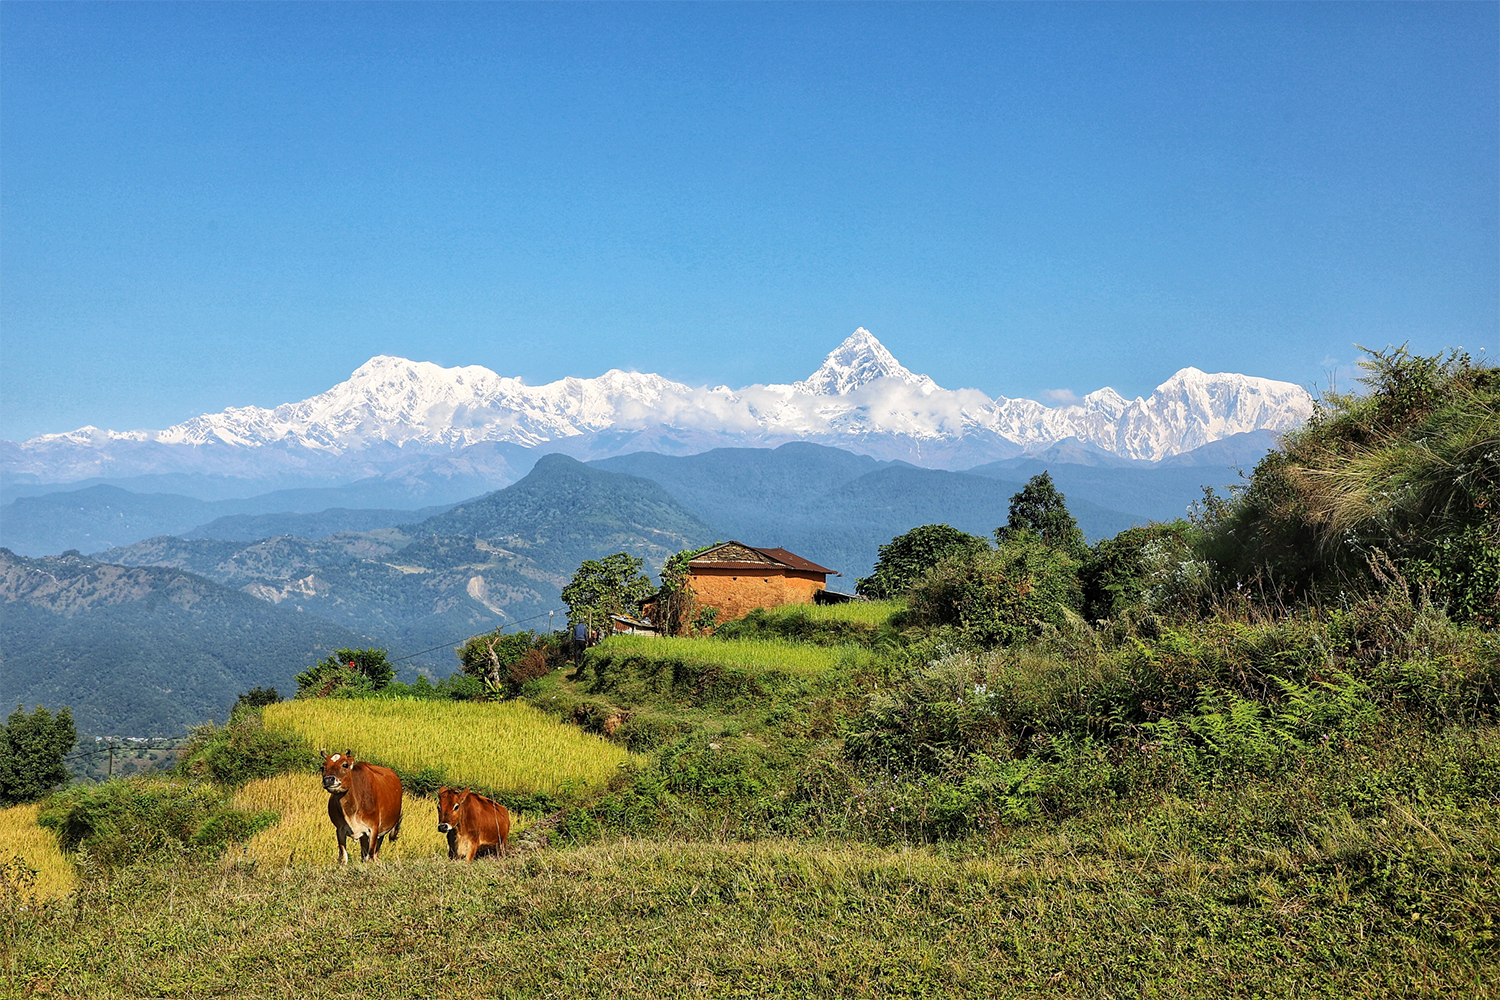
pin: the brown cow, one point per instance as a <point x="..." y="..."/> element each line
<point x="364" y="801"/>
<point x="472" y="822"/>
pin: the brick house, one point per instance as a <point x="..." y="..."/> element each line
<point x="735" y="578"/>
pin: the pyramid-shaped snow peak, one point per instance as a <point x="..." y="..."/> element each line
<point x="858" y="361"/>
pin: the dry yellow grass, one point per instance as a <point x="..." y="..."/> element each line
<point x="36" y="848"/>
<point x="305" y="835"/>
<point x="506" y="747"/>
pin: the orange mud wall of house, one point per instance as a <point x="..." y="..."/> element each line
<point x="737" y="592"/>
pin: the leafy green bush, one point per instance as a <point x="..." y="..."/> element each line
<point x="348" y="673"/>
<point x="906" y="558"/>
<point x="1001" y="596"/>
<point x="120" y="822"/>
<point x="243" y="750"/>
<point x="1119" y="571"/>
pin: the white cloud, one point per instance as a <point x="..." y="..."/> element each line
<point x="1061" y="397"/>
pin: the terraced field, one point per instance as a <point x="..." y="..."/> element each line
<point x="507" y="748"/>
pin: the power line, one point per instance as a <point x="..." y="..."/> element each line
<point x="456" y="642"/>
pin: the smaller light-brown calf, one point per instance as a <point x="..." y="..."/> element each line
<point x="472" y="822"/>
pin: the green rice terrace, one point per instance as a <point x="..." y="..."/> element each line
<point x="1253" y="753"/>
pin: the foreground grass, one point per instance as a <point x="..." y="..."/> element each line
<point x="507" y="747"/>
<point x="33" y="864"/>
<point x="1067" y="914"/>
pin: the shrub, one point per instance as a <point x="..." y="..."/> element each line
<point x="906" y="558"/>
<point x="1118" y="572"/>
<point x="348" y="673"/>
<point x="243" y="750"/>
<point x="120" y="822"/>
<point x="1001" y="596"/>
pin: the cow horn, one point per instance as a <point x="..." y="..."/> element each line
<point x="323" y="753"/>
<point x="349" y="754"/>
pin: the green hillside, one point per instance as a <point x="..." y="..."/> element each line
<point x="1204" y="759"/>
<point x="498" y="559"/>
<point x="144" y="651"/>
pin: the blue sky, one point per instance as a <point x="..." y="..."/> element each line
<point x="211" y="205"/>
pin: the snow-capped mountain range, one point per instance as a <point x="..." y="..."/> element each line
<point x="861" y="398"/>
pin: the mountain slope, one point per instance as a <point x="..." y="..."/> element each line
<point x="563" y="512"/>
<point x="144" y="651"/>
<point x="493" y="561"/>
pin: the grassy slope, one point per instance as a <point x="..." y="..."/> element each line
<point x="1060" y="915"/>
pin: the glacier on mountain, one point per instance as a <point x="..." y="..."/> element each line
<point x="861" y="398"/>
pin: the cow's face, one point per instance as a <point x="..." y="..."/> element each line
<point x="336" y="770"/>
<point x="447" y="808"/>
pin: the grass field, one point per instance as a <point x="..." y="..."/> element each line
<point x="508" y="747"/>
<point x="755" y="655"/>
<point x="21" y="840"/>
<point x="305" y="833"/>
<point x="1060" y="917"/>
<point x="874" y="613"/>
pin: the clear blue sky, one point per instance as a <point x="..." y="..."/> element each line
<point x="205" y="205"/>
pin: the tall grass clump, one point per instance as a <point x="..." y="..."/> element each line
<point x="1401" y="483"/>
<point x="505" y="748"/>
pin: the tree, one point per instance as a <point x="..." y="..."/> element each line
<point x="511" y="658"/>
<point x="256" y="697"/>
<point x="676" y="603"/>
<point x="347" y="672"/>
<point x="1041" y="508"/>
<point x="31" y="753"/>
<point x="614" y="585"/>
<point x="906" y="558"/>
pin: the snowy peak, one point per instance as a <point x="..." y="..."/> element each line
<point x="860" y="397"/>
<point x="858" y="361"/>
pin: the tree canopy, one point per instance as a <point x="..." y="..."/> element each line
<point x="31" y="753"/>
<point x="1040" y="507"/>
<point x="907" y="558"/>
<point x="614" y="585"/>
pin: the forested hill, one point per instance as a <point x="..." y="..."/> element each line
<point x="421" y="589"/>
<point x="564" y="512"/>
<point x="144" y="651"/>
<point x="835" y="507"/>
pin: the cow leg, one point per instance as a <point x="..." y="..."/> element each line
<point x="452" y="846"/>
<point x="364" y="847"/>
<point x="343" y="850"/>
